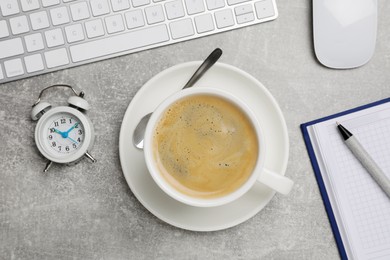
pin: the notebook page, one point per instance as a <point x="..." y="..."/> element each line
<point x="363" y="208"/>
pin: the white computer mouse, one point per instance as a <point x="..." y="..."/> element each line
<point x="344" y="32"/>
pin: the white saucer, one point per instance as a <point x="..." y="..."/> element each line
<point x="240" y="84"/>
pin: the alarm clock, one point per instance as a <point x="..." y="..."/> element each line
<point x="63" y="134"/>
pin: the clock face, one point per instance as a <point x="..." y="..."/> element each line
<point x="63" y="134"/>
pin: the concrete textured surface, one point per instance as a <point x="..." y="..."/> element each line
<point x="87" y="211"/>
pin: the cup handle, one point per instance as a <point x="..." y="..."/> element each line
<point x="276" y="181"/>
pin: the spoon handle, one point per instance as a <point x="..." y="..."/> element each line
<point x="208" y="62"/>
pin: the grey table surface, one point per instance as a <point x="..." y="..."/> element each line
<point x="87" y="211"/>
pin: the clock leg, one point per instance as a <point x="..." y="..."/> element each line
<point x="48" y="165"/>
<point x="90" y="157"/>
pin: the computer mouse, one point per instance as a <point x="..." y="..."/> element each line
<point x="344" y="32"/>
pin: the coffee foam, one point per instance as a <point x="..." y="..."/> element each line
<point x="205" y="146"/>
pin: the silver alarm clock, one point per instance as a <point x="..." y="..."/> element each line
<point x="63" y="134"/>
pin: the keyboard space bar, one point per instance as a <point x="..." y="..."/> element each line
<point x="119" y="43"/>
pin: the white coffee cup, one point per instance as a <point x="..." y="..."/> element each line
<point x="273" y="180"/>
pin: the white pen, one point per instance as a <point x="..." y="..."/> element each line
<point x="365" y="159"/>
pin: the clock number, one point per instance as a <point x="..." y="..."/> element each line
<point x="55" y="123"/>
<point x="50" y="137"/>
<point x="70" y="120"/>
<point x="63" y="121"/>
<point x="51" y="130"/>
<point x="53" y="144"/>
<point x="80" y="132"/>
<point x="74" y="146"/>
<point x="67" y="148"/>
<point x="79" y="139"/>
<point x="76" y="126"/>
<point x="59" y="148"/>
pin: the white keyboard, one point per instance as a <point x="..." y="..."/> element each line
<point x="40" y="36"/>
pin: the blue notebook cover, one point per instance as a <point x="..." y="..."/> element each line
<point x="317" y="171"/>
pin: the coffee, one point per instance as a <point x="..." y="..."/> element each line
<point x="205" y="146"/>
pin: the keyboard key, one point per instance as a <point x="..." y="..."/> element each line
<point x="134" y="19"/>
<point x="47" y="3"/>
<point x="33" y="63"/>
<point x="174" y="9"/>
<point x="215" y="4"/>
<point x="3" y="29"/>
<point x="119" y="5"/>
<point x="243" y="9"/>
<point x="114" y="23"/>
<point x="204" y="23"/>
<point x="264" y="9"/>
<point x="234" y="2"/>
<point x="99" y="7"/>
<point x="29" y="5"/>
<point x="9" y="7"/>
<point x="224" y="18"/>
<point x="39" y="20"/>
<point x="59" y="15"/>
<point x="154" y="14"/>
<point x="11" y="48"/>
<point x="74" y="33"/>
<point x="94" y="28"/>
<point x="245" y="18"/>
<point x="181" y="29"/>
<point x="54" y="38"/>
<point x="19" y="25"/>
<point x="79" y="11"/>
<point x="56" y="58"/>
<point x="13" y="68"/>
<point x="119" y="43"/>
<point x="34" y="42"/>
<point x="137" y="3"/>
<point x="194" y="6"/>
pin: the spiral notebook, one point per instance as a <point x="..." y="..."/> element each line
<point x="358" y="210"/>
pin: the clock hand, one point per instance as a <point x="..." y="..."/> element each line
<point x="72" y="140"/>
<point x="73" y="127"/>
<point x="63" y="134"/>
